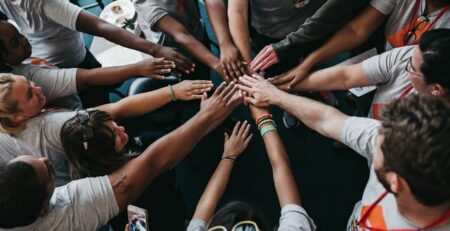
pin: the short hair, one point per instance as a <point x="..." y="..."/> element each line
<point x="237" y="211"/>
<point x="416" y="145"/>
<point x="435" y="48"/>
<point x="7" y="106"/>
<point x="3" y="18"/>
<point x="22" y="195"/>
<point x="100" y="158"/>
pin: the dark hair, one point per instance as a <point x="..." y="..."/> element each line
<point x="416" y="145"/>
<point x="100" y="158"/>
<point x="435" y="48"/>
<point x="234" y="212"/>
<point x="22" y="195"/>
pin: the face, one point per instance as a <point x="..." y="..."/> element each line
<point x="29" y="98"/>
<point x="17" y="47"/>
<point x="119" y="135"/>
<point x="415" y="75"/>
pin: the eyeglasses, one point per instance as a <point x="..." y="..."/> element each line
<point x="418" y="25"/>
<point x="87" y="132"/>
<point x="240" y="226"/>
<point x="410" y="69"/>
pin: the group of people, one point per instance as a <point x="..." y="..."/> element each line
<point x="66" y="163"/>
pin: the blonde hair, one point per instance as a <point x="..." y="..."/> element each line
<point x="7" y="106"/>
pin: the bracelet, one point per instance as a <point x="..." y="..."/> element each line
<point x="267" y="129"/>
<point x="266" y="121"/>
<point x="172" y="93"/>
<point x="229" y="158"/>
<point x="265" y="116"/>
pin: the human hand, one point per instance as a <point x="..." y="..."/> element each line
<point x="192" y="89"/>
<point x="155" y="67"/>
<point x="236" y="143"/>
<point x="265" y="58"/>
<point x="289" y="79"/>
<point x="183" y="64"/>
<point x="260" y="92"/>
<point x="232" y="64"/>
<point x="222" y="102"/>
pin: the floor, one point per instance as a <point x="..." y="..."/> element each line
<point x="330" y="180"/>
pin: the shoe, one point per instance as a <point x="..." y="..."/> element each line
<point x="290" y="121"/>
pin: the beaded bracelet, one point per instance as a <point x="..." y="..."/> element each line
<point x="267" y="129"/>
<point x="265" y="116"/>
<point x="172" y="93"/>
<point x="266" y="121"/>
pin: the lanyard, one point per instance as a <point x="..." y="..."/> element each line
<point x="362" y="222"/>
<point x="407" y="91"/>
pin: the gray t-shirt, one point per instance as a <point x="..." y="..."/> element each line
<point x="11" y="148"/>
<point x="387" y="70"/>
<point x="42" y="133"/>
<point x="58" y="85"/>
<point x="278" y="18"/>
<point x="293" y="218"/>
<point x="84" y="204"/>
<point x="360" y="134"/>
<point x="50" y="26"/>
<point x="401" y="13"/>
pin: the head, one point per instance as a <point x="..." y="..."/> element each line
<point x="235" y="212"/>
<point x="94" y="144"/>
<point x="413" y="152"/>
<point x="21" y="177"/>
<point x="20" y="100"/>
<point x="14" y="47"/>
<point x="428" y="69"/>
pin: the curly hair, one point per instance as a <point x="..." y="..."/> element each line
<point x="416" y="145"/>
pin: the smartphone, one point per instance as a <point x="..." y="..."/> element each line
<point x="137" y="218"/>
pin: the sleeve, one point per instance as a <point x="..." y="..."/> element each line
<point x="360" y="134"/>
<point x="318" y="28"/>
<point x="197" y="225"/>
<point x="93" y="202"/>
<point x="294" y="218"/>
<point x="62" y="12"/>
<point x="55" y="82"/>
<point x="377" y="68"/>
<point x="150" y="11"/>
<point x="54" y="121"/>
<point x="384" y="6"/>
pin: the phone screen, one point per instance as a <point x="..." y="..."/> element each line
<point x="137" y="218"/>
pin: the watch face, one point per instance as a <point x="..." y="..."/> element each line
<point x="300" y="3"/>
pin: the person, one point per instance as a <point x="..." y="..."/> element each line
<point x="24" y="118"/>
<point x="238" y="215"/>
<point x="407" y="152"/>
<point x="54" y="27"/>
<point x="402" y="71"/>
<point x="310" y="35"/>
<point x="181" y="27"/>
<point x="406" y="22"/>
<point x="88" y="203"/>
<point x="57" y="83"/>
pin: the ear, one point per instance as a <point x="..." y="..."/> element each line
<point x="44" y="209"/>
<point x="394" y="181"/>
<point x="437" y="90"/>
<point x="17" y="119"/>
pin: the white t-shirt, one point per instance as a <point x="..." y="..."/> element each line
<point x="84" y="204"/>
<point x="42" y="133"/>
<point x="58" y="85"/>
<point x="293" y="218"/>
<point x="50" y="26"/>
<point x="401" y="14"/>
<point x="360" y="134"/>
<point x="11" y="148"/>
<point x="387" y="70"/>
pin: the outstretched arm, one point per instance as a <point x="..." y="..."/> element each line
<point x="91" y="24"/>
<point x="238" y="23"/>
<point x="140" y="104"/>
<point x="319" y="117"/>
<point x="170" y="26"/>
<point x="230" y="57"/>
<point x="233" y="147"/>
<point x="155" y="68"/>
<point x="133" y="178"/>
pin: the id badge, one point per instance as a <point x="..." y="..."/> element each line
<point x="300" y="3"/>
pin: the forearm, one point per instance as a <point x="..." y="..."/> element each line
<point x="105" y="76"/>
<point x="134" y="177"/>
<point x="137" y="105"/>
<point x="321" y="118"/>
<point x="217" y="15"/>
<point x="214" y="191"/>
<point x="238" y="23"/>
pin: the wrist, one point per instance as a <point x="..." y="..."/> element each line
<point x="154" y="49"/>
